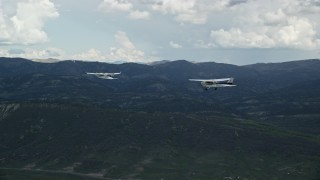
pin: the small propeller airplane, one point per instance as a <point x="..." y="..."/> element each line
<point x="105" y="75"/>
<point x="215" y="83"/>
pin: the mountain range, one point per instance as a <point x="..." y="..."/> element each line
<point x="153" y="123"/>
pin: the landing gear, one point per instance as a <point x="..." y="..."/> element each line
<point x="215" y="88"/>
<point x="205" y="88"/>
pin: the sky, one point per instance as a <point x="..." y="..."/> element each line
<point x="227" y="31"/>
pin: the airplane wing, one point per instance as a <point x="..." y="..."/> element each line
<point x="98" y="73"/>
<point x="227" y="85"/>
<point x="201" y="80"/>
<point x="212" y="80"/>
<point x="223" y="79"/>
<point x="107" y="74"/>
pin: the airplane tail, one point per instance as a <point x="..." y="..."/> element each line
<point x="230" y="81"/>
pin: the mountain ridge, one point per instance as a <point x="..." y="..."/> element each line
<point x="24" y="79"/>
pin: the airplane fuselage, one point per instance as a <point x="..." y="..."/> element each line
<point x="105" y="75"/>
<point x="215" y="83"/>
<point x="208" y="85"/>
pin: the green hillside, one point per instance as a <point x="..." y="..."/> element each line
<point x="141" y="145"/>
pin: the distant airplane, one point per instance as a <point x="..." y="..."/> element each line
<point x="215" y="83"/>
<point x="105" y="75"/>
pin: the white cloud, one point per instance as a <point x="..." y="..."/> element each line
<point x="139" y="15"/>
<point x="111" y="6"/>
<point x="25" y="26"/>
<point x="194" y="11"/>
<point x="33" y="53"/>
<point x="91" y="55"/>
<point x="125" y="51"/>
<point x="192" y="17"/>
<point x="302" y="6"/>
<point x="237" y="38"/>
<point x="175" y="7"/>
<point x="274" y="18"/>
<point x="175" y="45"/>
<point x="4" y="53"/>
<point x="42" y="54"/>
<point x="290" y="24"/>
<point x="115" y="5"/>
<point x="122" y="39"/>
<point x="185" y="11"/>
<point x="264" y="25"/>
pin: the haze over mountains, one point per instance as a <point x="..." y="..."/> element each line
<point x="154" y="123"/>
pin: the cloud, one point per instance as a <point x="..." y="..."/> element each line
<point x="122" y="39"/>
<point x="139" y="15"/>
<point x="91" y="55"/>
<point x="262" y="25"/>
<point x="54" y="52"/>
<point x="4" y="53"/>
<point x="115" y="5"/>
<point x="185" y="11"/>
<point x="33" y="53"/>
<point x="16" y="51"/>
<point x="236" y="2"/>
<point x="125" y="51"/>
<point x="175" y="7"/>
<point x="175" y="45"/>
<point x="273" y="18"/>
<point x="192" y="18"/>
<point x="110" y="6"/>
<point x="25" y="26"/>
<point x="193" y="11"/>
<point x="303" y="6"/>
<point x="43" y="54"/>
<point x="236" y="38"/>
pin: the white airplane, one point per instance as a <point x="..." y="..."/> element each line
<point x="105" y="75"/>
<point x="215" y="83"/>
